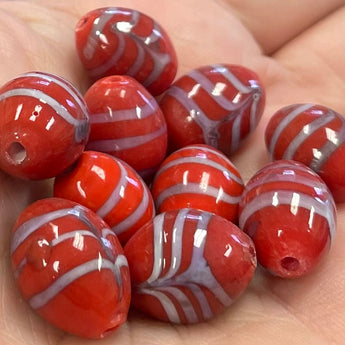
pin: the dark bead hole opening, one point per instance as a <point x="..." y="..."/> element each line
<point x="82" y="22"/>
<point x="289" y="263"/>
<point x="17" y="153"/>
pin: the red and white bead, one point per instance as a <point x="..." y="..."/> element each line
<point x="314" y="135"/>
<point x="70" y="267"/>
<point x="127" y="122"/>
<point x="188" y="265"/>
<point x="110" y="188"/>
<point x="198" y="176"/>
<point x="118" y="40"/>
<point x="44" y="125"/>
<point x="218" y="105"/>
<point x="290" y="214"/>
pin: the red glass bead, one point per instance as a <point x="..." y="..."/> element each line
<point x="198" y="176"/>
<point x="118" y="40"/>
<point x="290" y="214"/>
<point x="127" y="122"/>
<point x="110" y="188"/>
<point x="188" y="265"/>
<point x="217" y="105"/>
<point x="44" y="125"/>
<point x="71" y="268"/>
<point x="313" y="135"/>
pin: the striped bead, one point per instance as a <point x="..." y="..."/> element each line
<point x="313" y="135"/>
<point x="110" y="188"/>
<point x="198" y="176"/>
<point x="188" y="265"/>
<point x="44" y="125"/>
<point x="290" y="214"/>
<point x="71" y="268"/>
<point x="127" y="123"/>
<point x="118" y="40"/>
<point x="217" y="105"/>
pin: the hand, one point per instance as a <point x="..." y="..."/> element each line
<point x="298" y="50"/>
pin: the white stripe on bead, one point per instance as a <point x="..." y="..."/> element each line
<point x="160" y="60"/>
<point x="114" y="145"/>
<point x="209" y="127"/>
<point x="165" y="302"/>
<point x="31" y="225"/>
<point x="116" y="194"/>
<point x="63" y="83"/>
<point x="137" y="113"/>
<point x="53" y="103"/>
<point x="96" y="72"/>
<point x="334" y="140"/>
<point x="232" y="79"/>
<point x="305" y="133"/>
<point x="198" y="272"/>
<point x="135" y="216"/>
<point x="41" y="299"/>
<point x="183" y="300"/>
<point x="292" y="199"/>
<point x="95" y="35"/>
<point x="286" y="120"/>
<point x="202" y="161"/>
<point x="195" y="188"/>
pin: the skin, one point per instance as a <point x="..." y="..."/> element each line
<point x="298" y="50"/>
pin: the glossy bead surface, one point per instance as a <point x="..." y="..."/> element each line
<point x="217" y="105"/>
<point x="188" y="265"/>
<point x="198" y="176"/>
<point x="127" y="122"/>
<point x="70" y="268"/>
<point x="118" y="40"/>
<point x="44" y="125"/>
<point x="110" y="188"/>
<point x="290" y="214"/>
<point x="313" y="135"/>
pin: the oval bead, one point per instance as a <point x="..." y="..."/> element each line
<point x="314" y="135"/>
<point x="118" y="40"/>
<point x="127" y="122"/>
<point x="71" y="268"/>
<point x="218" y="105"/>
<point x="110" y="188"/>
<point x="290" y="214"/>
<point x="188" y="265"/>
<point x="198" y="176"/>
<point x="44" y="125"/>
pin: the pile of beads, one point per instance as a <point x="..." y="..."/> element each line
<point x="199" y="253"/>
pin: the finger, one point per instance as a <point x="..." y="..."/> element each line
<point x="316" y="59"/>
<point x="274" y="23"/>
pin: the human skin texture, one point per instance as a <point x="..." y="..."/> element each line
<point x="297" y="49"/>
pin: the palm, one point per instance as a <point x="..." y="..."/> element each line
<point x="308" y="68"/>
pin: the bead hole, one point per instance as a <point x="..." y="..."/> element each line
<point x="117" y="79"/>
<point x="16" y="153"/>
<point x="289" y="263"/>
<point x="82" y="22"/>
